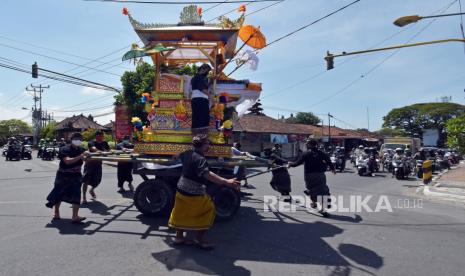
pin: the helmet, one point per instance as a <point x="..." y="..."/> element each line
<point x="360" y="147"/>
<point x="399" y="150"/>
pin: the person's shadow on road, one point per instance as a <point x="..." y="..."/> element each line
<point x="253" y="238"/>
<point x="97" y="207"/>
<point x="66" y="227"/>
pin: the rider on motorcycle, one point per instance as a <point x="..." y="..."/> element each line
<point x="62" y="143"/>
<point x="399" y="155"/>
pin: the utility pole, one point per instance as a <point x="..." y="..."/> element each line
<point x="329" y="130"/>
<point x="368" y="118"/>
<point x="37" y="114"/>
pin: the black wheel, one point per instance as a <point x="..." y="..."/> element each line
<point x="361" y="172"/>
<point x="227" y="201"/>
<point x="154" y="197"/>
<point x="399" y="175"/>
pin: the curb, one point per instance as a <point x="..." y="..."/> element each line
<point x="427" y="192"/>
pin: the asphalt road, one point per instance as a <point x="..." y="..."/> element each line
<point x="117" y="240"/>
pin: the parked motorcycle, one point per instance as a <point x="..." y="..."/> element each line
<point x="4" y="150"/>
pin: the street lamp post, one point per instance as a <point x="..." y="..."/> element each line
<point x="405" y="20"/>
<point x="330" y="57"/>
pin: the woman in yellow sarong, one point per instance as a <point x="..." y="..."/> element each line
<point x="193" y="208"/>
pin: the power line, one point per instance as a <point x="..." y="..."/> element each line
<point x="341" y="64"/>
<point x="54" y="58"/>
<point x="298" y="30"/>
<point x="380" y="63"/>
<point x="215" y="6"/>
<point x="80" y="110"/>
<point x="264" y="8"/>
<point x="63" y="78"/>
<point x="175" y="2"/>
<point x="52" y="50"/>
<point x="230" y="11"/>
<point x="312" y="23"/>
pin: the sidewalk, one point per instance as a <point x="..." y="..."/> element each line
<point x="450" y="185"/>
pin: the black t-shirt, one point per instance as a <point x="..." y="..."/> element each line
<point x="199" y="82"/>
<point x="102" y="146"/>
<point x="315" y="161"/>
<point x="194" y="165"/>
<point x="70" y="151"/>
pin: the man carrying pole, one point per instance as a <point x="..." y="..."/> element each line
<point x="315" y="165"/>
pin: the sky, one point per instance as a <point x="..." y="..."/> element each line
<point x="58" y="34"/>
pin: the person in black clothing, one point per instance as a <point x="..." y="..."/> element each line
<point x="124" y="171"/>
<point x="68" y="179"/>
<point x="200" y="102"/>
<point x="193" y="209"/>
<point x="281" y="180"/>
<point x="93" y="168"/>
<point x="315" y="165"/>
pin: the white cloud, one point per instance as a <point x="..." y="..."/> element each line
<point x="92" y="91"/>
<point x="15" y="113"/>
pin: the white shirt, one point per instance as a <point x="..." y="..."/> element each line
<point x="199" y="94"/>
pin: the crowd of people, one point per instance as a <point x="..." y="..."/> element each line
<point x="78" y="176"/>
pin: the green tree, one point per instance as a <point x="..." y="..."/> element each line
<point x="306" y="118"/>
<point x="256" y="109"/>
<point x="13" y="127"/>
<point x="88" y="134"/>
<point x="455" y="129"/>
<point x="414" y="118"/>
<point x="48" y="131"/>
<point x="134" y="84"/>
<point x="391" y="132"/>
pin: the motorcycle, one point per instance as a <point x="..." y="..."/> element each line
<point x="387" y="164"/>
<point x="366" y="166"/>
<point x="13" y="153"/>
<point x="27" y="152"/>
<point x="353" y="159"/>
<point x="419" y="168"/>
<point x="400" y="169"/>
<point x="338" y="162"/>
<point x="443" y="163"/>
<point x="4" y="150"/>
<point x="48" y="154"/>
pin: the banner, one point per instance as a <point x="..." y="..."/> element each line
<point x="122" y="123"/>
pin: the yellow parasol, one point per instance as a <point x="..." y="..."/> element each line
<point x="252" y="36"/>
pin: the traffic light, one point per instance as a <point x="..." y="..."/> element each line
<point x="35" y="70"/>
<point x="329" y="61"/>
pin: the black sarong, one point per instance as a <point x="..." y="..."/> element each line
<point x="92" y="174"/>
<point x="281" y="181"/>
<point x="67" y="188"/>
<point x="316" y="185"/>
<point x="124" y="172"/>
<point x="200" y="113"/>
